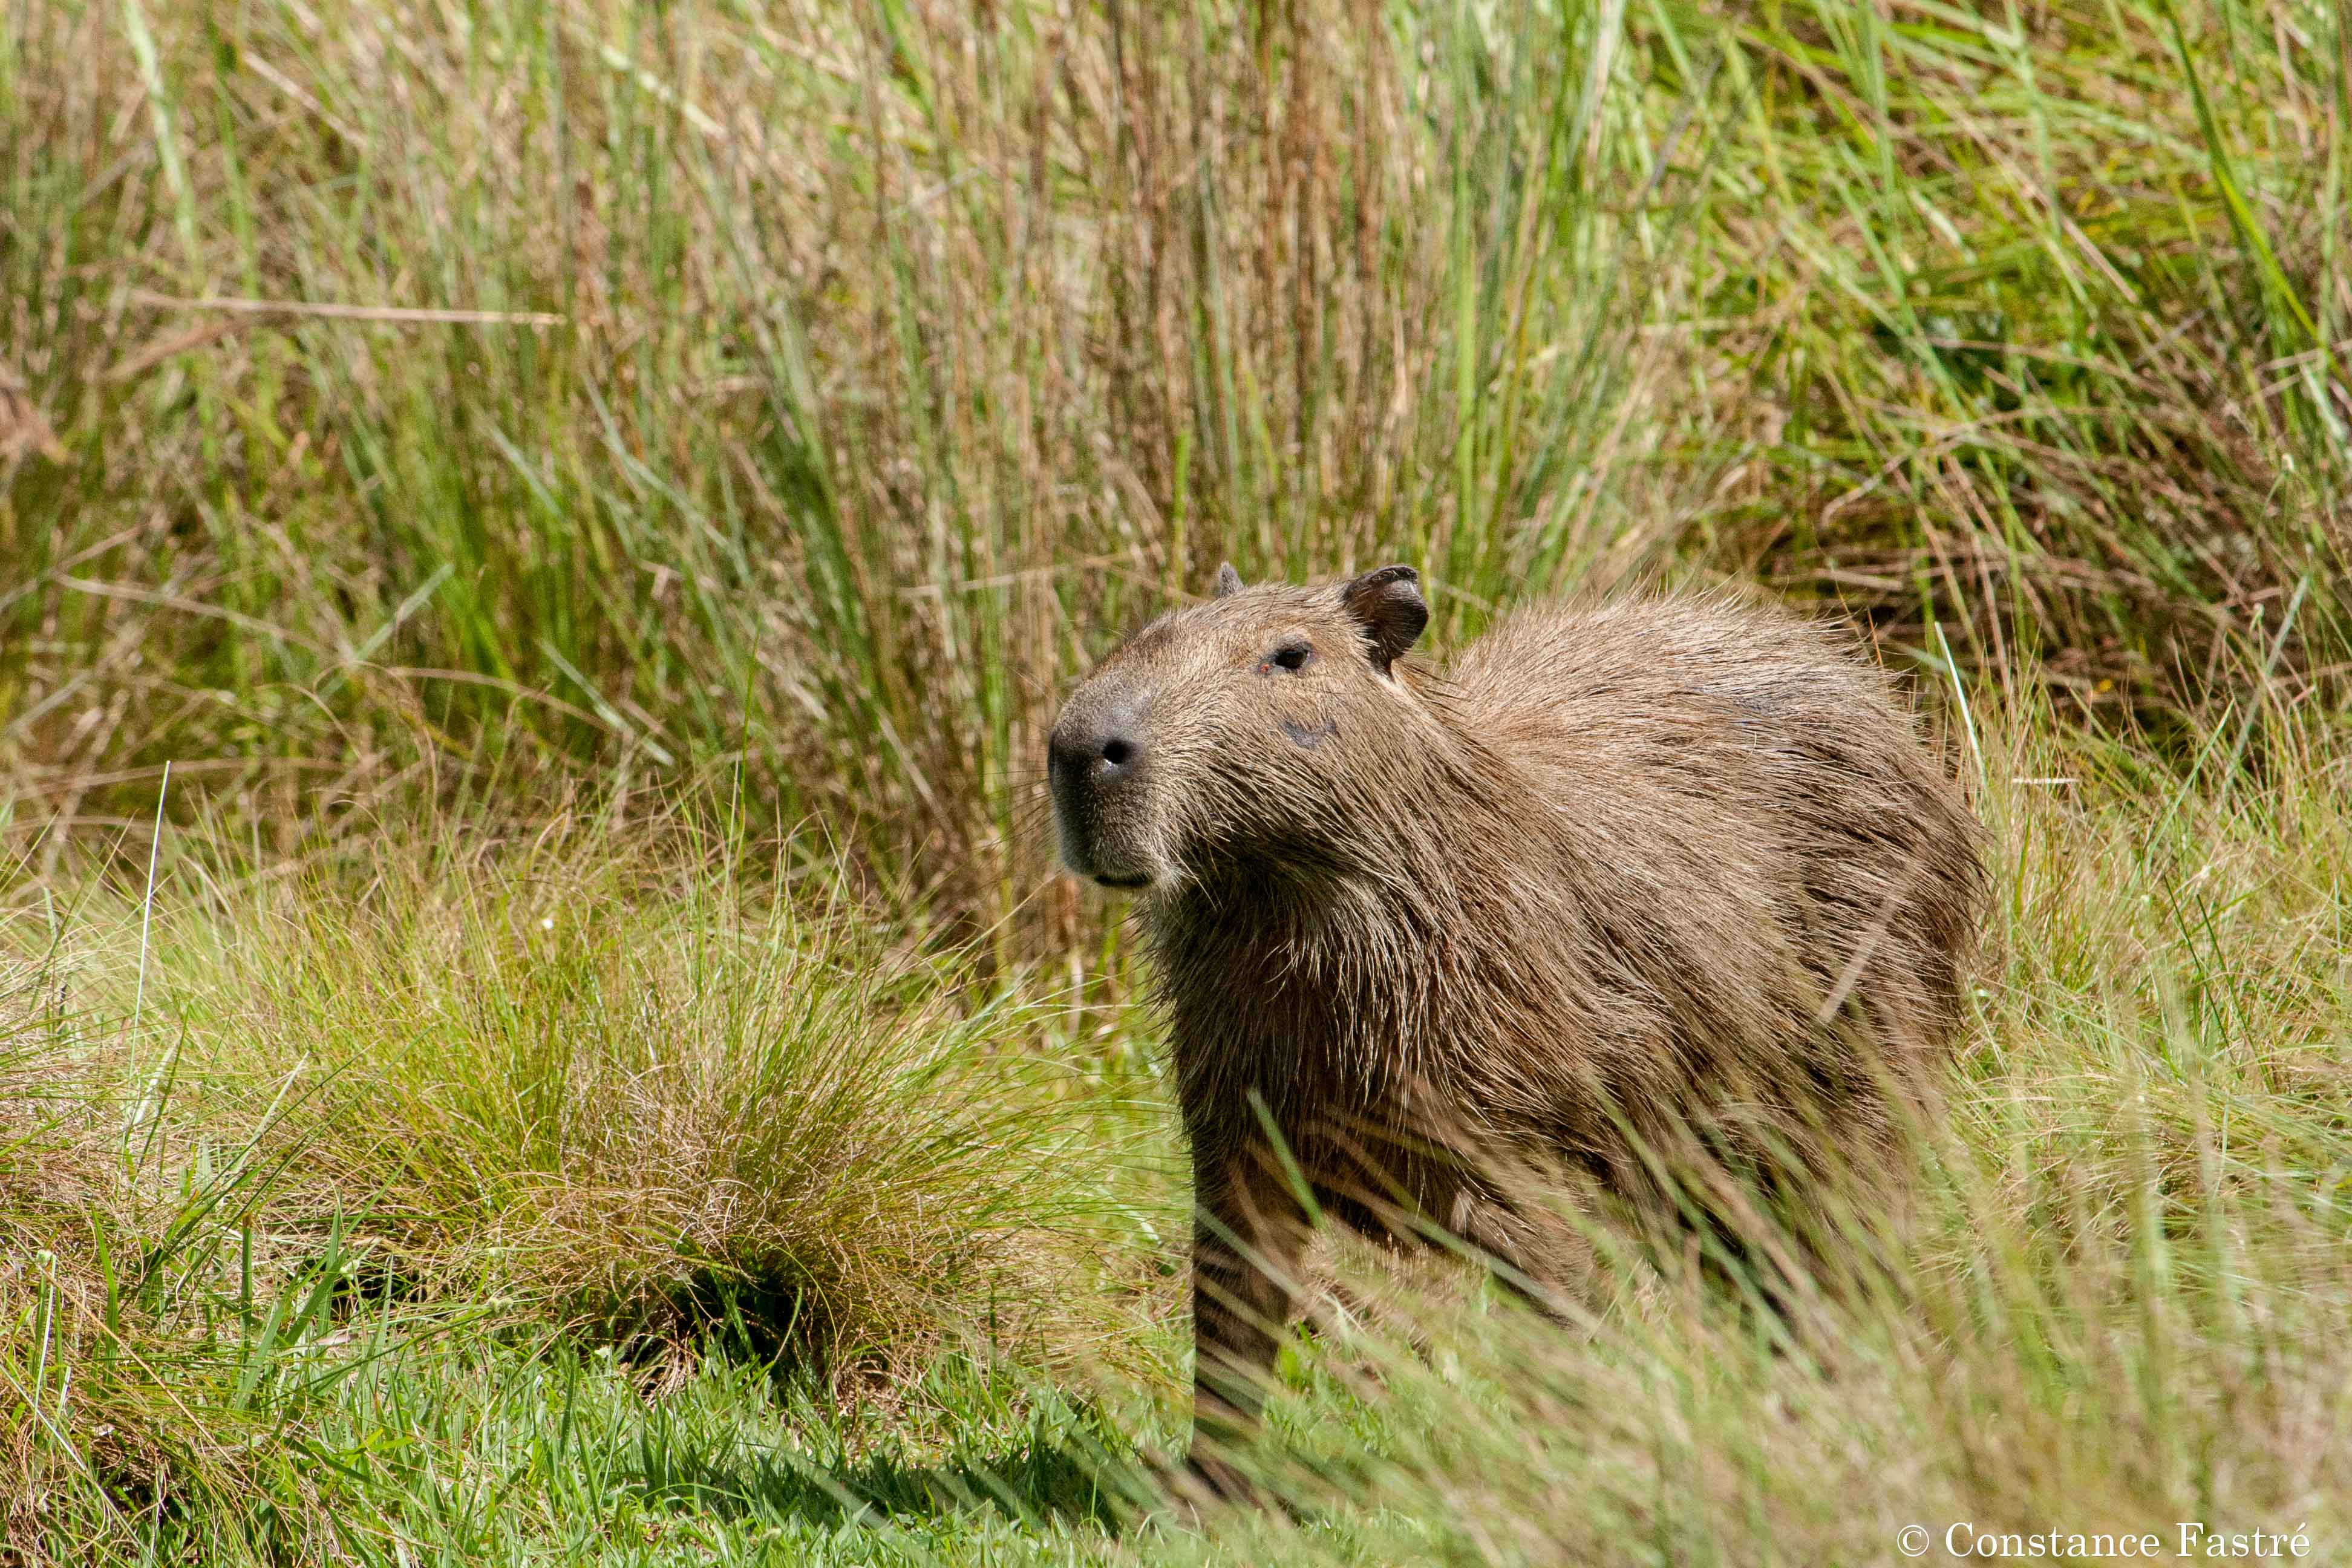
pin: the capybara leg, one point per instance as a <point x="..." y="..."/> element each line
<point x="1249" y="1238"/>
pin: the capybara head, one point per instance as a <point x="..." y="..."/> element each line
<point x="1224" y="731"/>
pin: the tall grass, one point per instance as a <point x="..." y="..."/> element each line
<point x="834" y="381"/>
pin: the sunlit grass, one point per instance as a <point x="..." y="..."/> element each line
<point x="267" y="1137"/>
<point x="2114" y="1294"/>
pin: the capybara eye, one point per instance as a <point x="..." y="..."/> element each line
<point x="1292" y="657"/>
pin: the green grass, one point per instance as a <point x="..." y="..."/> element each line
<point x="595" y="504"/>
<point x="309" y="1175"/>
<point x="336" y="1290"/>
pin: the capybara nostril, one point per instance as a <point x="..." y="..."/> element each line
<point x="1116" y="751"/>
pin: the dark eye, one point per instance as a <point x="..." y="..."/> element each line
<point x="1291" y="657"/>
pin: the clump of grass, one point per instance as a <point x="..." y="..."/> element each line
<point x="599" y="1081"/>
<point x="635" y="1096"/>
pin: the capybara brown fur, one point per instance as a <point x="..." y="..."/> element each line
<point x="1671" y="873"/>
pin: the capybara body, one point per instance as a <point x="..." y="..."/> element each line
<point x="1666" y="874"/>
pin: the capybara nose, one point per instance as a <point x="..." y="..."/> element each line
<point x="1093" y="755"/>
<point x="1098" y="747"/>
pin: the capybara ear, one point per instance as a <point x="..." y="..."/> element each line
<point x="1228" y="581"/>
<point x="1387" y="604"/>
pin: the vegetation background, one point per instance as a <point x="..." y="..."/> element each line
<point x="594" y="505"/>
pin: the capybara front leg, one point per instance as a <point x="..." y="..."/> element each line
<point x="1249" y="1236"/>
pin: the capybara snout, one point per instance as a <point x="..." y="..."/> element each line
<point x="1664" y="879"/>
<point x="1096" y="760"/>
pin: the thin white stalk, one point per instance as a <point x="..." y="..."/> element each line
<point x="147" y="907"/>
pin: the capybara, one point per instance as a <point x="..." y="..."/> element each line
<point x="1667" y="873"/>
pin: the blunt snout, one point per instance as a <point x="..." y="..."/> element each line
<point x="1094" y="756"/>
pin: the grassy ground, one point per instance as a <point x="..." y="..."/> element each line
<point x="559" y="1199"/>
<point x="584" y="1059"/>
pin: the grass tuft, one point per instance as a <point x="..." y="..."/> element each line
<point x="490" y="1092"/>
